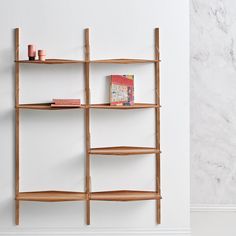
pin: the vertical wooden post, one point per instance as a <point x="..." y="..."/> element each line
<point x="157" y="123"/>
<point x="17" y="117"/>
<point x="87" y="123"/>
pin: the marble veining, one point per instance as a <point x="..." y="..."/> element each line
<point x="213" y="101"/>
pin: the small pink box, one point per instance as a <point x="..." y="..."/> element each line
<point x="42" y="55"/>
<point x="31" y="52"/>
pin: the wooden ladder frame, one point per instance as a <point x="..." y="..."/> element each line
<point x="88" y="195"/>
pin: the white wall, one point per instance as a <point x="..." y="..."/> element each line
<point x="52" y="143"/>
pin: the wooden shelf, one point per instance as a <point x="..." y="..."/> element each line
<point x="50" y="61"/>
<point x="135" y="106"/>
<point x="124" y="195"/>
<point x="108" y="61"/>
<point x="50" y="196"/>
<point x="45" y="106"/>
<point x="124" y="61"/>
<point x="107" y="152"/>
<point x="61" y="196"/>
<point x="123" y="150"/>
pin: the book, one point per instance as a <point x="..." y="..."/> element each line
<point x="122" y="90"/>
<point x="66" y="101"/>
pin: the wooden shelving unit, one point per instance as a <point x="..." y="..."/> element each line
<point x="88" y="195"/>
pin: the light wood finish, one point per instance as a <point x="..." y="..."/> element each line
<point x="49" y="61"/>
<point x="135" y="106"/>
<point x="45" y="106"/>
<point x="17" y="120"/>
<point x="124" y="195"/>
<point x="118" y="195"/>
<point x="50" y="196"/>
<point x="123" y="61"/>
<point x="67" y="61"/>
<point x="87" y="124"/>
<point x="17" y="212"/>
<point x="123" y="150"/>
<point x="157" y="125"/>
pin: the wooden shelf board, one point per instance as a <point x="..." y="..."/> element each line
<point x="50" y="61"/>
<point x="123" y="150"/>
<point x="124" y="61"/>
<point x="45" y="106"/>
<point x="124" y="195"/>
<point x="68" y="61"/>
<point x="50" y="196"/>
<point x="135" y="106"/>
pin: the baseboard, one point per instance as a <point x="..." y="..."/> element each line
<point x="213" y="208"/>
<point x="95" y="231"/>
<point x="213" y="219"/>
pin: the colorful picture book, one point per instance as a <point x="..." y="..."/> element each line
<point x="65" y="103"/>
<point x="122" y="90"/>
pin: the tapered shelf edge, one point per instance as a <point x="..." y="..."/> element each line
<point x="68" y="61"/>
<point x="46" y="106"/>
<point x="135" y="106"/>
<point x="51" y="196"/>
<point x="123" y="150"/>
<point x="124" y="195"/>
<point x="60" y="196"/>
<point x="124" y="61"/>
<point x="50" y="61"/>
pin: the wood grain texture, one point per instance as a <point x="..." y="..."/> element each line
<point x="123" y="150"/>
<point x="17" y="120"/>
<point x="87" y="124"/>
<point x="50" y="61"/>
<point x="135" y="106"/>
<point x="124" y="195"/>
<point x="17" y="212"/>
<point x="123" y="61"/>
<point x="51" y="196"/>
<point x="45" y="106"/>
<point x="69" y="61"/>
<point x="157" y="124"/>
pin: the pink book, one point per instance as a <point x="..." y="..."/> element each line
<point x="66" y="101"/>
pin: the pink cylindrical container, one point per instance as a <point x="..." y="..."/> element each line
<point x="31" y="52"/>
<point x="42" y="55"/>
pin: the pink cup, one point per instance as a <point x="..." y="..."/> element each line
<point x="31" y="52"/>
<point x="42" y="55"/>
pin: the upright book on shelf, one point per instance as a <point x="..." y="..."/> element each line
<point x="122" y="90"/>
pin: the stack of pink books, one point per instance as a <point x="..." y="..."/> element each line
<point x="65" y="103"/>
